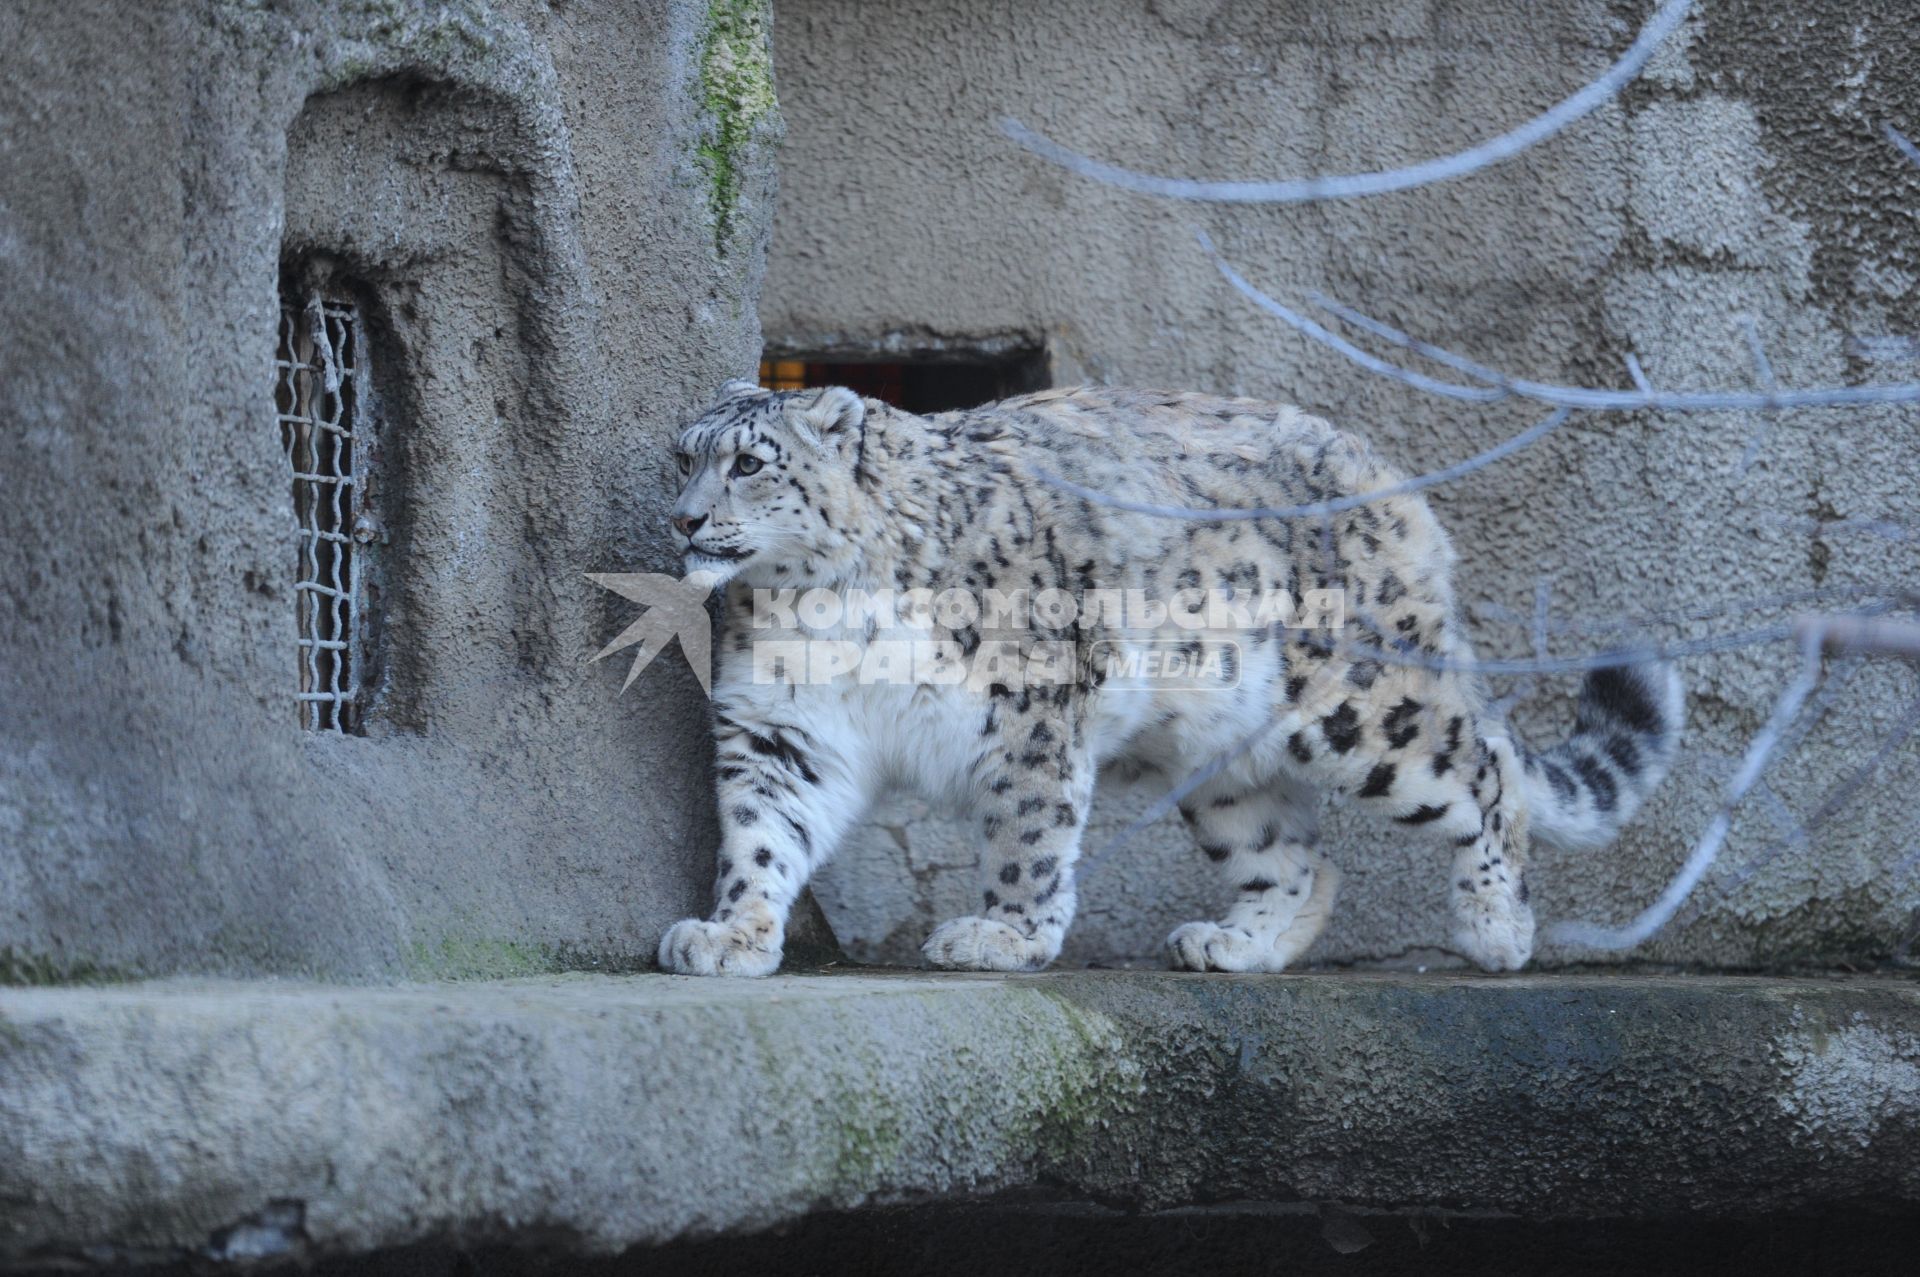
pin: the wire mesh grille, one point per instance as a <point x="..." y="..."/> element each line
<point x="320" y="396"/>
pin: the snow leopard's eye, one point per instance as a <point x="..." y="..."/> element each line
<point x="685" y="462"/>
<point x="745" y="464"/>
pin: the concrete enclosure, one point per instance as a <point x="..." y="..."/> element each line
<point x="545" y="232"/>
<point x="1744" y="174"/>
<point x="553" y="218"/>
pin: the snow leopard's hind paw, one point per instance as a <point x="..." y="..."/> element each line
<point x="694" y="947"/>
<point x="1497" y="935"/>
<point x="1208" y="946"/>
<point x="982" y="944"/>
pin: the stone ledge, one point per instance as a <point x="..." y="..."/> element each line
<point x="594" y="1113"/>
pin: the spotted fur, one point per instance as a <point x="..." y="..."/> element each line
<point x="838" y="492"/>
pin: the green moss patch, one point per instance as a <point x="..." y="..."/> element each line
<point x="736" y="87"/>
<point x="20" y="968"/>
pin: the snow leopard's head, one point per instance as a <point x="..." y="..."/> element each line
<point x="764" y="476"/>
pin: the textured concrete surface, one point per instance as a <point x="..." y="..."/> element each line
<point x="591" y="1113"/>
<point x="1745" y="173"/>
<point x="558" y="213"/>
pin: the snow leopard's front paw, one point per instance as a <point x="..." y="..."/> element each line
<point x="1208" y="946"/>
<point x="694" y="947"/>
<point x="981" y="944"/>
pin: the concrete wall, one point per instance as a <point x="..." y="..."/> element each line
<point x="558" y="216"/>
<point x="1743" y="174"/>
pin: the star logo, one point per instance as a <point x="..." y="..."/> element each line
<point x="676" y="608"/>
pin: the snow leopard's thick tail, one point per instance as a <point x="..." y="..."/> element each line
<point x="1580" y="794"/>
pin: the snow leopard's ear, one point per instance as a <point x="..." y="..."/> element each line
<point x="835" y="415"/>
<point x="737" y="387"/>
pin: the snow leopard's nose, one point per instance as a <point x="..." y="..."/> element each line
<point x="688" y="524"/>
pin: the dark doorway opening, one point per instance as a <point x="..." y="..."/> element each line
<point x="916" y="385"/>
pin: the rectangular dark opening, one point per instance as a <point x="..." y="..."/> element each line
<point x="927" y="385"/>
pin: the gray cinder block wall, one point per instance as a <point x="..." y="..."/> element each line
<point x="554" y="217"/>
<point x="1745" y="173"/>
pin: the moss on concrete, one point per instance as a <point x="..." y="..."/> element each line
<point x="471" y="958"/>
<point x="465" y="957"/>
<point x="608" y="1112"/>
<point x="869" y="1127"/>
<point x="21" y="968"/>
<point x="1091" y="1083"/>
<point x="736" y="93"/>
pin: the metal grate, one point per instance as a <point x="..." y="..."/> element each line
<point x="322" y="397"/>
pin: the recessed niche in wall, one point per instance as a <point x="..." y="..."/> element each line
<point x="925" y="385"/>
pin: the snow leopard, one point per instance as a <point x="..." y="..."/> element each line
<point x="1068" y="493"/>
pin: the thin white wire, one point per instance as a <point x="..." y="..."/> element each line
<point x="1171" y="799"/>
<point x="1598" y="936"/>
<point x="1349" y="186"/>
<point x="1900" y="140"/>
<point x="1502" y="386"/>
<point x="1836" y="798"/>
<point x="1317" y="509"/>
<point x="1763" y="369"/>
